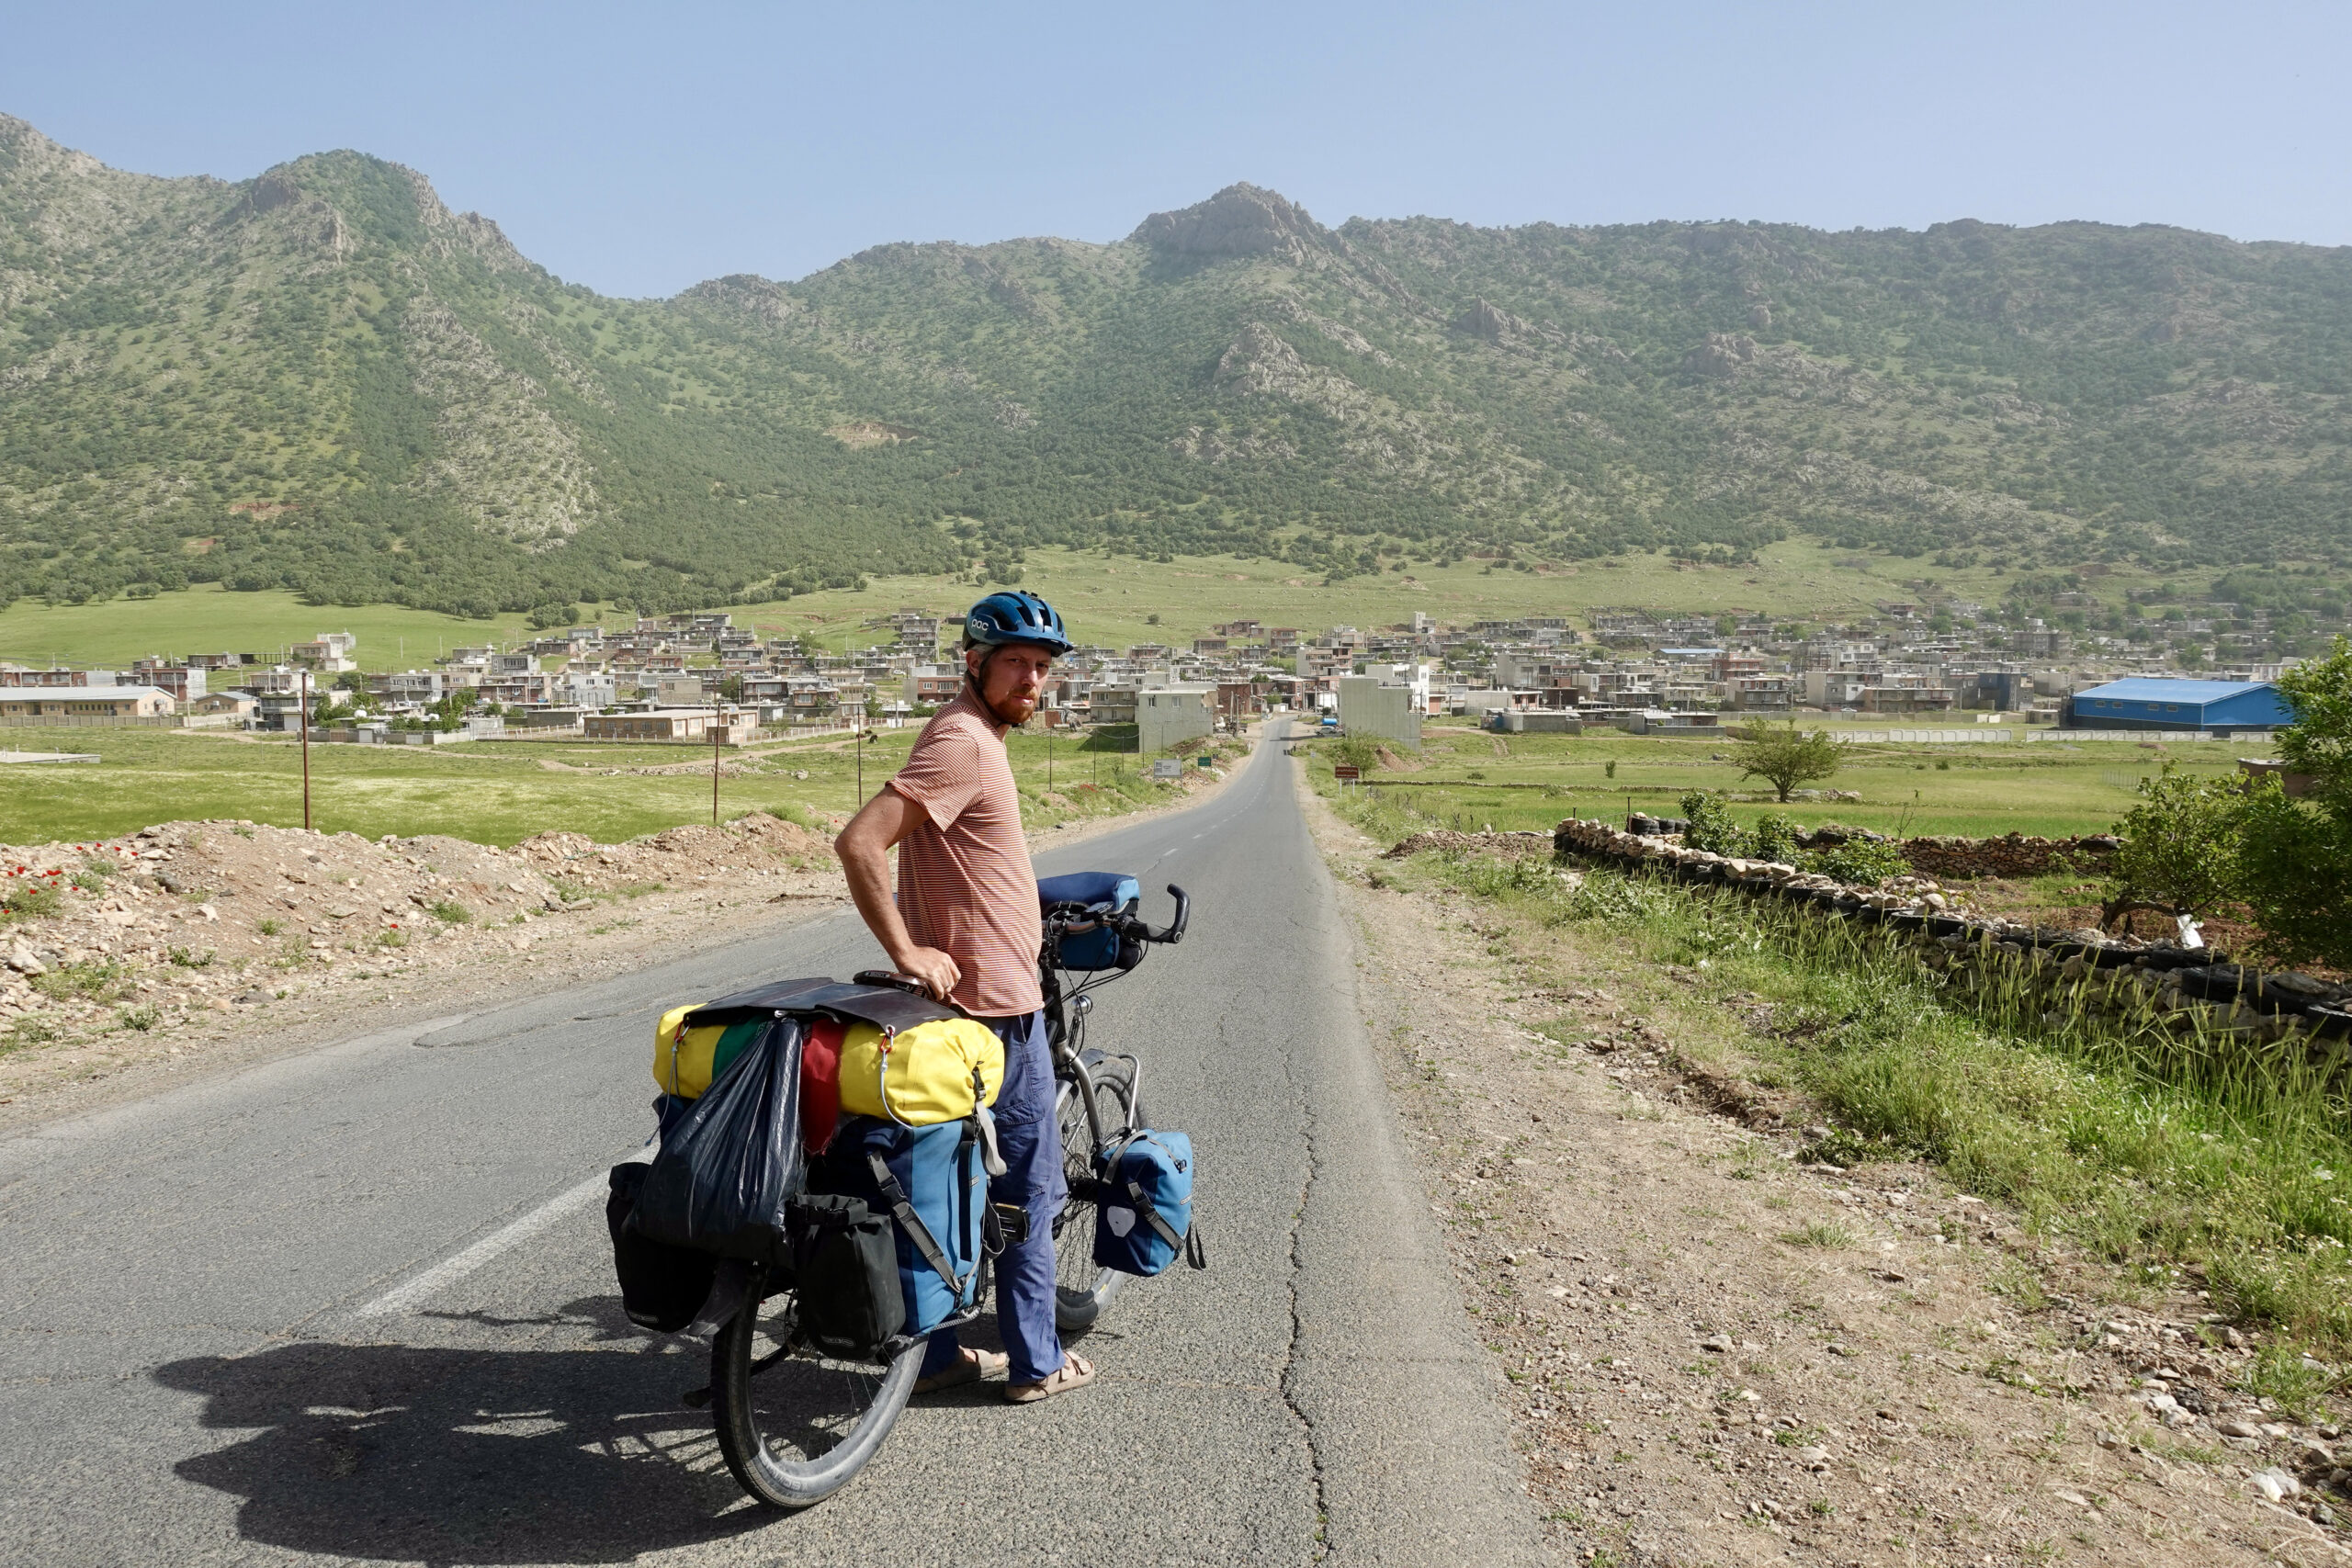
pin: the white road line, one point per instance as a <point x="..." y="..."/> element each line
<point x="402" y="1298"/>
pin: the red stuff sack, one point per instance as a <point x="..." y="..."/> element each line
<point x="821" y="1082"/>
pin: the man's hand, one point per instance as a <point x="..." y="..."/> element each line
<point x="937" y="972"/>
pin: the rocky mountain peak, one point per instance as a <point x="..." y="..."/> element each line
<point x="1239" y="220"/>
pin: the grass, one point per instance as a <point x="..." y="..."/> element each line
<point x="1107" y="600"/>
<point x="2150" y="1148"/>
<point x="208" y="618"/>
<point x="1110" y="601"/>
<point x="1532" y="780"/>
<point x="504" y="792"/>
<point x="1819" y="1234"/>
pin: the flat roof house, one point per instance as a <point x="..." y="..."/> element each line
<point x="2152" y="703"/>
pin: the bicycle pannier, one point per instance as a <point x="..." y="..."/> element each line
<point x="928" y="1182"/>
<point x="846" y="1262"/>
<point x="661" y="1286"/>
<point x="729" y="1165"/>
<point x="1143" y="1213"/>
<point x="921" y="1075"/>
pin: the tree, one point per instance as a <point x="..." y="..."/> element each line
<point x="1786" y="757"/>
<point x="2297" y="873"/>
<point x="2180" y="849"/>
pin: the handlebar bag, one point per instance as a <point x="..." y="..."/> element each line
<point x="929" y="1183"/>
<point x="1097" y="893"/>
<point x="1143" y="1209"/>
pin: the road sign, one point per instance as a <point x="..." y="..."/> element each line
<point x="1346" y="772"/>
<point x="1205" y="762"/>
<point x="1168" y="768"/>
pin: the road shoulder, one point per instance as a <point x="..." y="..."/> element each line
<point x="1712" y="1355"/>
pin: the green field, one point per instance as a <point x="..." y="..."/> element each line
<point x="1532" y="781"/>
<point x="1106" y="600"/>
<point x="209" y="619"/>
<point x="495" y="792"/>
<point x="1109" y="601"/>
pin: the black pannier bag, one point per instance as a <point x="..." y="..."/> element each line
<point x="661" y="1286"/>
<point x="846" y="1258"/>
<point x="728" y="1168"/>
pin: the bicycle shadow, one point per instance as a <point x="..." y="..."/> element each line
<point x="465" y="1456"/>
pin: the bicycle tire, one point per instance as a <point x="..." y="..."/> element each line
<point x="820" y="1419"/>
<point x="1082" y="1292"/>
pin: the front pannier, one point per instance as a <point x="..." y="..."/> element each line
<point x="1143" y="1213"/>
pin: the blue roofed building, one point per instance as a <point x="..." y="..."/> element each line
<point x="2149" y="702"/>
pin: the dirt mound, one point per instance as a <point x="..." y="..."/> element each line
<point x="141" y="933"/>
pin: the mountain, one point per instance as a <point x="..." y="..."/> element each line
<point x="322" y="379"/>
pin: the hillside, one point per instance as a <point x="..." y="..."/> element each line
<point x="323" y="379"/>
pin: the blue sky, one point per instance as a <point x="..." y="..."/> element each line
<point x="639" y="149"/>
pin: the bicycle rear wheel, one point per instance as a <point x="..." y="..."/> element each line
<point x="794" y="1428"/>
<point x="1082" y="1289"/>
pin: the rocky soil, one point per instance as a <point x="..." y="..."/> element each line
<point x="1717" y="1348"/>
<point x="192" y="945"/>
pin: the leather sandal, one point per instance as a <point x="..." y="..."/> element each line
<point x="1076" y="1371"/>
<point x="971" y="1366"/>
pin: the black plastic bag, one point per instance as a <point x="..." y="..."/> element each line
<point x="729" y="1167"/>
<point x="661" y="1286"/>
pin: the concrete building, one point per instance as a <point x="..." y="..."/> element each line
<point x="662" y="724"/>
<point x="1169" y="715"/>
<point x="89" y="704"/>
<point x="1370" y="707"/>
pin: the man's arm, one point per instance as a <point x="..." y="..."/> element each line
<point x="864" y="848"/>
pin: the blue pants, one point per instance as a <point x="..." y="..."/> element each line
<point x="1031" y="1145"/>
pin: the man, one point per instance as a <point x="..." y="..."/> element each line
<point x="966" y="923"/>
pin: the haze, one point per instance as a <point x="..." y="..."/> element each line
<point x="641" y="152"/>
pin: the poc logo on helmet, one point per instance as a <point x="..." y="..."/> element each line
<point x="975" y="626"/>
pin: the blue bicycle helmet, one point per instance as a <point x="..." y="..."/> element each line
<point x="1016" y="616"/>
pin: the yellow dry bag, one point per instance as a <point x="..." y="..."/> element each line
<point x="922" y="1075"/>
<point x="686" y="1058"/>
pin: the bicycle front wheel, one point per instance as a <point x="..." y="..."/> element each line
<point x="796" y="1427"/>
<point x="1082" y="1288"/>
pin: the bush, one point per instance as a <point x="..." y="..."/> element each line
<point x="450" y="912"/>
<point x="1775" y="838"/>
<point x="1712" y="827"/>
<point x="1862" y="862"/>
<point x="2180" y="846"/>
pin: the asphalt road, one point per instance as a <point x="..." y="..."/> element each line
<point x="357" y="1304"/>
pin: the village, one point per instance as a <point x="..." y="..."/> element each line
<point x="2201" y="669"/>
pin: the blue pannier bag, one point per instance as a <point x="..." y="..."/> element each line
<point x="1143" y="1211"/>
<point x="931" y="1183"/>
<point x="1097" y="893"/>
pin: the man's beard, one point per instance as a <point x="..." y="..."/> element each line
<point x="1021" y="706"/>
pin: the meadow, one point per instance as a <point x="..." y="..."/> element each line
<point x="500" y="791"/>
<point x="1472" y="779"/>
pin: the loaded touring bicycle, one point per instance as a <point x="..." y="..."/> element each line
<point x="818" y="1202"/>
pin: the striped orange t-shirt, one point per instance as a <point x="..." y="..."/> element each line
<point x="966" y="886"/>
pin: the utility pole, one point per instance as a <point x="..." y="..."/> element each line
<point x="714" y="769"/>
<point x="306" y="751"/>
<point x="858" y="746"/>
<point x="1049" y="758"/>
